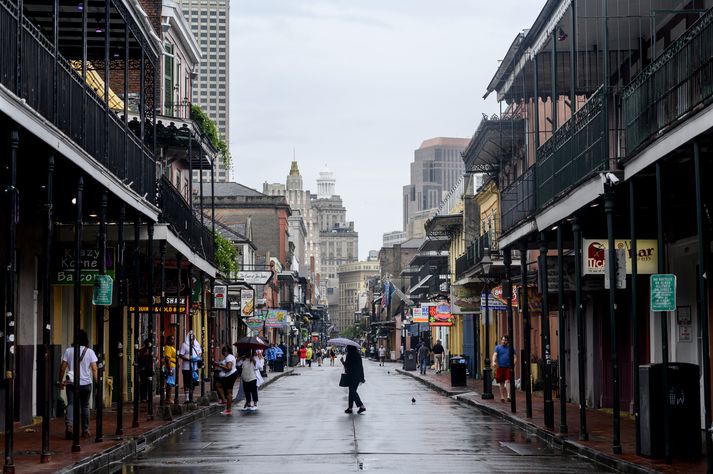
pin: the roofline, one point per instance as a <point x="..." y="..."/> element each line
<point x="173" y="11"/>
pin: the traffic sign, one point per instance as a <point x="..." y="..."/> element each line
<point x="663" y="292"/>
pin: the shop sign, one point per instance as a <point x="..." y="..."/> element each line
<point x="247" y="303"/>
<point x="595" y="250"/>
<point x="464" y="299"/>
<point x="419" y="316"/>
<point x="89" y="263"/>
<point x="663" y="292"/>
<point x="440" y="315"/>
<point x="257" y="277"/>
<point x="257" y="321"/>
<point x="157" y="309"/>
<point x="103" y="286"/>
<point x="276" y="318"/>
<point x="496" y="299"/>
<point x="220" y="297"/>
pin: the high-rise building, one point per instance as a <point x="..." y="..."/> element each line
<point x="353" y="293"/>
<point x="436" y="168"/>
<point x="209" y="20"/>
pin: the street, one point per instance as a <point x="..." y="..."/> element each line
<point x="301" y="427"/>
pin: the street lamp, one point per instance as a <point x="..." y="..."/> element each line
<point x="487" y="263"/>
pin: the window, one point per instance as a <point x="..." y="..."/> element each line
<point x="168" y="78"/>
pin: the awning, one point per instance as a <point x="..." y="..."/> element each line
<point x="468" y="279"/>
<point x="420" y="284"/>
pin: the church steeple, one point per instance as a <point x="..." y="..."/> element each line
<point x="294" y="179"/>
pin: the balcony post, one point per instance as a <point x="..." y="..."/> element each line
<point x="55" y="63"/>
<point x="190" y="171"/>
<point x="151" y="337"/>
<point x="561" y="332"/>
<point x="611" y="257"/>
<point x="122" y="302"/>
<point x="85" y="8"/>
<point x="703" y="305"/>
<point x="126" y="103"/>
<point x="212" y="199"/>
<point x="200" y="177"/>
<point x="142" y="96"/>
<point x="634" y="310"/>
<point x="581" y="355"/>
<point x="203" y="346"/>
<point x="549" y="412"/>
<point x="179" y="264"/>
<point x="162" y="339"/>
<point x="136" y="320"/>
<point x="536" y="99"/>
<point x="573" y="58"/>
<point x="101" y="313"/>
<point x="46" y="454"/>
<point x="77" y="317"/>
<point x="554" y="80"/>
<point x="605" y="79"/>
<point x="526" y="330"/>
<point x="507" y="292"/>
<point x="107" y="41"/>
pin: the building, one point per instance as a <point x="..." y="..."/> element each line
<point x="394" y="237"/>
<point x="436" y="168"/>
<point x="209" y="22"/>
<point x="353" y="293"/>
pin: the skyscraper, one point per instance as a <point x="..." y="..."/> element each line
<point x="436" y="168"/>
<point x="209" y="20"/>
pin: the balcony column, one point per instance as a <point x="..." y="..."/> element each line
<point x="703" y="302"/>
<point x="162" y="340"/>
<point x="554" y="80"/>
<point x="536" y="98"/>
<point x="507" y="292"/>
<point x="190" y="171"/>
<point x="611" y="259"/>
<point x="581" y="354"/>
<point x="573" y="58"/>
<point x="85" y="8"/>
<point x="561" y="332"/>
<point x="634" y="310"/>
<point x="126" y="103"/>
<point x="527" y="379"/>
<point x="107" y="44"/>
<point x="151" y="337"/>
<point x="549" y="412"/>
<point x="663" y="316"/>
<point x="212" y="198"/>
<point x="136" y="320"/>
<point x="142" y="96"/>
<point x="200" y="177"/>
<point x="101" y="318"/>
<point x="10" y="301"/>
<point x="55" y="63"/>
<point x="122" y="302"/>
<point x="179" y="264"/>
<point x="189" y="330"/>
<point x="76" y="323"/>
<point x="203" y="346"/>
<point x="45" y="361"/>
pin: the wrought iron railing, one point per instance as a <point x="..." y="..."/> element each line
<point x="518" y="200"/>
<point x="74" y="109"/>
<point x="462" y="265"/>
<point x="573" y="153"/>
<point x="176" y="212"/>
<point x="675" y="84"/>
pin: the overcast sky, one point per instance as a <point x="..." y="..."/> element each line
<point x="357" y="85"/>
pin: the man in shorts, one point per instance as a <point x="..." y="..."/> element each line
<point x="501" y="360"/>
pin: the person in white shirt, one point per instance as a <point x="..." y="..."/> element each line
<point x="251" y="377"/>
<point x="226" y="379"/>
<point x="382" y="355"/>
<point x="87" y="374"/>
<point x="189" y="354"/>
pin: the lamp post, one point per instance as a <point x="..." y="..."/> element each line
<point x="486" y="263"/>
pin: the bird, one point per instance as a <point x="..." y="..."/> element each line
<point x="388" y="372"/>
<point x="413" y="401"/>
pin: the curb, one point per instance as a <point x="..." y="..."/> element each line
<point x="105" y="461"/>
<point x="553" y="439"/>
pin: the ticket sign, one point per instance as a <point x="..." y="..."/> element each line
<point x="663" y="292"/>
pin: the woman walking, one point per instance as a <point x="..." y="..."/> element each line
<point x="226" y="379"/>
<point x="355" y="375"/>
<point x="250" y="375"/>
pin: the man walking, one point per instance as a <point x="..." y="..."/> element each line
<point x="438" y="352"/>
<point x="424" y="357"/>
<point x="501" y="360"/>
<point x="382" y="355"/>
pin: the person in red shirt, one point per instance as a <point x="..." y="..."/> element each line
<point x="303" y="355"/>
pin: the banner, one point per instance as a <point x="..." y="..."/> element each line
<point x="247" y="303"/>
<point x="595" y="251"/>
<point x="276" y="318"/>
<point x="440" y="315"/>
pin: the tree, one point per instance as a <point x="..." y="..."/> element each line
<point x="226" y="256"/>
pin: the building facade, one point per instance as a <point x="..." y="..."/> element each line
<point x="353" y="292"/>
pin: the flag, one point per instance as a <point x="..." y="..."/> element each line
<point x="389" y="290"/>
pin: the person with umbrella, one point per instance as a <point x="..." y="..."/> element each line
<point x="355" y="375"/>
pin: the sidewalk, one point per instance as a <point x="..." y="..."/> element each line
<point x="93" y="455"/>
<point x="599" y="426"/>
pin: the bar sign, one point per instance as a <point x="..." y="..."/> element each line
<point x="663" y="292"/>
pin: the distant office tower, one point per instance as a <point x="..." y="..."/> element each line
<point x="209" y="20"/>
<point x="436" y="168"/>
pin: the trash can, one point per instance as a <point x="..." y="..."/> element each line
<point x="684" y="410"/>
<point x="279" y="365"/>
<point x="458" y="372"/>
<point x="410" y="360"/>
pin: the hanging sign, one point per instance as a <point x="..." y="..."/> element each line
<point x="276" y="318"/>
<point x="247" y="303"/>
<point x="594" y="255"/>
<point x="419" y="316"/>
<point x="258" y="277"/>
<point x="103" y="289"/>
<point x="496" y="300"/>
<point x="256" y="322"/>
<point x="440" y="315"/>
<point x="220" y="297"/>
<point x="663" y="292"/>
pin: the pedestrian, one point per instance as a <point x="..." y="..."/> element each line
<point x="226" y="378"/>
<point x="303" y="355"/>
<point x="424" y="357"/>
<point x="87" y="375"/>
<point x="318" y="356"/>
<point x="372" y="352"/>
<point x="279" y="355"/>
<point x="382" y="355"/>
<point x="309" y="355"/>
<point x="501" y="360"/>
<point x="354" y="371"/>
<point x="169" y="367"/>
<point x="250" y="364"/>
<point x="189" y="353"/>
<point x="332" y="355"/>
<point x="438" y="352"/>
<point x="146" y="370"/>
<point x="283" y="348"/>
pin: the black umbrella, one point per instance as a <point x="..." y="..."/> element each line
<point x="250" y="342"/>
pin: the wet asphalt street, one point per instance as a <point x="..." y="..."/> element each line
<point x="301" y="427"/>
